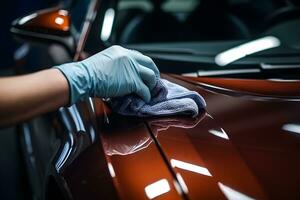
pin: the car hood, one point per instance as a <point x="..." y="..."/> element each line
<point x="245" y="145"/>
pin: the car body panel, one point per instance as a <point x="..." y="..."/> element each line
<point x="111" y="157"/>
<point x="244" y="142"/>
<point x="245" y="145"/>
<point x="133" y="158"/>
<point x="276" y="88"/>
<point x="242" y="146"/>
<point x="54" y="21"/>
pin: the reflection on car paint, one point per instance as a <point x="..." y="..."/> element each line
<point x="27" y="18"/>
<point x="134" y="160"/>
<point x="157" y="188"/>
<point x="76" y="118"/>
<point x="190" y="167"/>
<point x="92" y="105"/>
<point x="65" y="153"/>
<point x="182" y="183"/>
<point x="111" y="170"/>
<point x="294" y="128"/>
<point x="67" y="145"/>
<point x="118" y="143"/>
<point x="220" y="133"/>
<point x="226" y="57"/>
<point x="232" y="194"/>
<point x="48" y="19"/>
<point x="250" y="88"/>
<point x="208" y="161"/>
<point x="78" y="136"/>
<point x="188" y="159"/>
<point x="121" y="144"/>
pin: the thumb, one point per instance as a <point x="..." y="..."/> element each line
<point x="143" y="91"/>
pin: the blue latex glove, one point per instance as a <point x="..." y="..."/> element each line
<point x="114" y="72"/>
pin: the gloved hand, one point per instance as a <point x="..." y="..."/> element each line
<point x="114" y="72"/>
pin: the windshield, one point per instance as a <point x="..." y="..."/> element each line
<point x="148" y="21"/>
<point x="233" y="38"/>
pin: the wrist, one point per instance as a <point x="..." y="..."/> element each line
<point x="78" y="80"/>
<point x="68" y="101"/>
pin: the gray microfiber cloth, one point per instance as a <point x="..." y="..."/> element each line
<point x="166" y="99"/>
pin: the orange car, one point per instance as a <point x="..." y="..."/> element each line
<point x="245" y="145"/>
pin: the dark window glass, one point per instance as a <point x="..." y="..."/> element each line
<point x="78" y="12"/>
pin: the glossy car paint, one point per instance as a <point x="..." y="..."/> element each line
<point x="51" y="21"/>
<point x="275" y="88"/>
<point x="99" y="164"/>
<point x="244" y="143"/>
<point x="243" y="146"/>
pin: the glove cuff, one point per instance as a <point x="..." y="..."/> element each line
<point x="77" y="79"/>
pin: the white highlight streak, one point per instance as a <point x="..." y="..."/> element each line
<point x="190" y="167"/>
<point x="182" y="183"/>
<point x="27" y="18"/>
<point x="232" y="194"/>
<point x="111" y="170"/>
<point x="238" y="52"/>
<point x="107" y="24"/>
<point x="221" y="134"/>
<point x="157" y="188"/>
<point x="294" y="128"/>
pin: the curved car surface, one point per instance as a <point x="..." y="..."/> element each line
<point x="245" y="145"/>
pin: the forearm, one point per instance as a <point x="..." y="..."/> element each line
<point x="23" y="97"/>
<point x="113" y="72"/>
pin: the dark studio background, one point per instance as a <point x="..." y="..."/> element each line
<point x="13" y="179"/>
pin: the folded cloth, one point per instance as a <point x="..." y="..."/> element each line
<point x="166" y="99"/>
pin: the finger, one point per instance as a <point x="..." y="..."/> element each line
<point x="143" y="91"/>
<point x="145" y="61"/>
<point x="148" y="76"/>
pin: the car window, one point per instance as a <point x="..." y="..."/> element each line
<point x="144" y="5"/>
<point x="175" y="6"/>
<point x="134" y="19"/>
<point x="78" y="12"/>
<point x="179" y="6"/>
<point x="180" y="9"/>
<point x="194" y="20"/>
